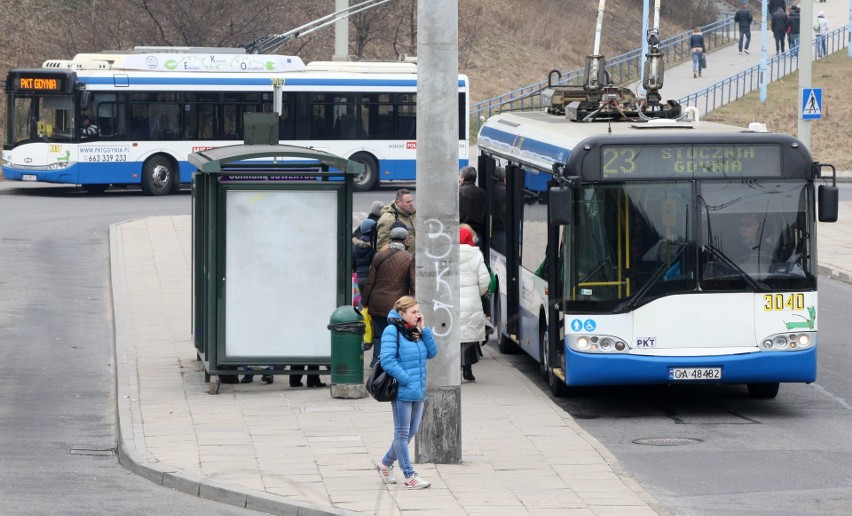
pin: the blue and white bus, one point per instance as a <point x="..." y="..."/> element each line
<point x="152" y="107"/>
<point x="653" y="251"/>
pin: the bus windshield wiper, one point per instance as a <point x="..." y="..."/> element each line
<point x="633" y="302"/>
<point x="722" y="257"/>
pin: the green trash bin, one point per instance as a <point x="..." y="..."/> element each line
<point x="347" y="355"/>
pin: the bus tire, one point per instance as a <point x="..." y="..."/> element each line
<point x="158" y="175"/>
<point x="95" y="189"/>
<point x="766" y="391"/>
<point x="369" y="179"/>
<point x="557" y="386"/>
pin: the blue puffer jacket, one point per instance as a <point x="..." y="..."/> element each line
<point x="409" y="368"/>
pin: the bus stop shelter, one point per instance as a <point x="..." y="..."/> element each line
<point x="271" y="231"/>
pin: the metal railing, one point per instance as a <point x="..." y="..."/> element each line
<point x="621" y="69"/>
<point x="736" y="86"/>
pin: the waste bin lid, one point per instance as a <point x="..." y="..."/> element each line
<point x="344" y="314"/>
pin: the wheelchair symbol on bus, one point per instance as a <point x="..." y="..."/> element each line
<point x="579" y="325"/>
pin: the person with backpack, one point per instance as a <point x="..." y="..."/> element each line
<point x="399" y="212"/>
<point x="821" y="30"/>
<point x="743" y="19"/>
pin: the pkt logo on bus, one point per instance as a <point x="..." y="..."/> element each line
<point x="646" y="342"/>
<point x="411" y="145"/>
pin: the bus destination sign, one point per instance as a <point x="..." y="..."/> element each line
<point x="695" y="160"/>
<point x="36" y="83"/>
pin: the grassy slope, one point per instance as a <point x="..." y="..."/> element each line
<point x="830" y="136"/>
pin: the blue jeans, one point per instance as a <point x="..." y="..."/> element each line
<point x="794" y="44"/>
<point x="696" y="57"/>
<point x="406" y="422"/>
<point x="821" y="44"/>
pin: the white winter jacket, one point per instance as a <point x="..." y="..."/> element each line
<point x="473" y="284"/>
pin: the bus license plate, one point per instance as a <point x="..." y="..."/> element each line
<point x="695" y="373"/>
<point x="29" y="177"/>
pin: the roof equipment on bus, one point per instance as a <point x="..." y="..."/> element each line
<point x="269" y="43"/>
<point x="599" y="99"/>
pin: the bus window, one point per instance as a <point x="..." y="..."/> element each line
<point x="533" y="234"/>
<point x="407" y="118"/>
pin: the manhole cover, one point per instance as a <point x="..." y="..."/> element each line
<point x="667" y="441"/>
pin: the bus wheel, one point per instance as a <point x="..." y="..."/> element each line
<point x="368" y="179"/>
<point x="95" y="189"/>
<point x="158" y="175"/>
<point x="557" y="386"/>
<point x="765" y="391"/>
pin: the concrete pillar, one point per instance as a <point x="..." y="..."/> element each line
<point x="341" y="33"/>
<point x="437" y="255"/>
<point x="806" y="53"/>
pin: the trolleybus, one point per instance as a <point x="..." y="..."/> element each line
<point x="152" y="107"/>
<point x="653" y="249"/>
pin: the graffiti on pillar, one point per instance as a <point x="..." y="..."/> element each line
<point x="439" y="245"/>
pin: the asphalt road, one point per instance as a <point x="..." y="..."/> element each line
<point x="57" y="388"/>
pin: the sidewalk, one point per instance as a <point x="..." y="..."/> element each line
<point x="282" y="450"/>
<point x="726" y="62"/>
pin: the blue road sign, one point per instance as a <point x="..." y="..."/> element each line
<point x="811" y="103"/>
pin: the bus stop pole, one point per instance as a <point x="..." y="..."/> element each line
<point x="437" y="226"/>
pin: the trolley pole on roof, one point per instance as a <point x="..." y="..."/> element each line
<point x="437" y="254"/>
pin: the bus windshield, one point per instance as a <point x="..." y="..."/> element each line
<point x="635" y="242"/>
<point x="47" y="118"/>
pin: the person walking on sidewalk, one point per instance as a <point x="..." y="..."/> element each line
<point x="795" y="24"/>
<point x="821" y="29"/>
<point x="406" y="345"/>
<point x="473" y="284"/>
<point x="696" y="45"/>
<point x="743" y="19"/>
<point x="779" y="29"/>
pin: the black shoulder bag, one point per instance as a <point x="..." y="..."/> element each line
<point x="381" y="385"/>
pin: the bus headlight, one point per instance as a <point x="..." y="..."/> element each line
<point x="788" y="342"/>
<point x="59" y="165"/>
<point x="596" y="344"/>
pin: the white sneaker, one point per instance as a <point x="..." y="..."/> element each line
<point x="415" y="482"/>
<point x="386" y="473"/>
<point x="745" y="50"/>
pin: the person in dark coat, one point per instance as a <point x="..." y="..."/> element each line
<point x="743" y="19"/>
<point x="363" y="252"/>
<point x="375" y="213"/>
<point x="795" y="23"/>
<point x="391" y="277"/>
<point x="472" y="201"/>
<point x="779" y="29"/>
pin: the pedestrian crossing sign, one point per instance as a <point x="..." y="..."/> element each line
<point x="811" y="103"/>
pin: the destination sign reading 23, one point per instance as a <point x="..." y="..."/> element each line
<point x="620" y="162"/>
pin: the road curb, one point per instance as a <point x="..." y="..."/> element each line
<point x="131" y="450"/>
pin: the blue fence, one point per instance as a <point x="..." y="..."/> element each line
<point x="734" y="87"/>
<point x="622" y="69"/>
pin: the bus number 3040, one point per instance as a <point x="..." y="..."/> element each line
<point x="783" y="302"/>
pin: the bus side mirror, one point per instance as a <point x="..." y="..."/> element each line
<point x="559" y="205"/>
<point x="827" y="203"/>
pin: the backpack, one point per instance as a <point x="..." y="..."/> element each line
<point x="816" y="25"/>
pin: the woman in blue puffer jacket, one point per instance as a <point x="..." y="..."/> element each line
<point x="406" y="345"/>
